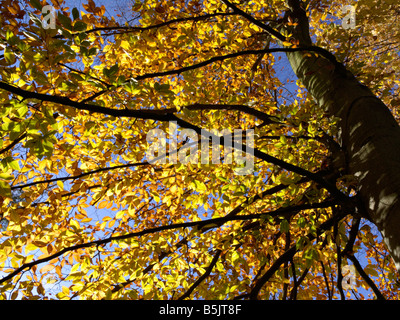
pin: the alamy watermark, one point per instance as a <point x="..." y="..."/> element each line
<point x="349" y="277"/>
<point x="238" y="147"/>
<point x="349" y="20"/>
<point x="233" y="145"/>
<point x="49" y="17"/>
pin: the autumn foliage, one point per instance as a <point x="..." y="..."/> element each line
<point x="85" y="215"/>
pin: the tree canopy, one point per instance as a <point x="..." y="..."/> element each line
<point x="87" y="213"/>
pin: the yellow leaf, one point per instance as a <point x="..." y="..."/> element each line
<point x="74" y="268"/>
<point x="65" y="290"/>
<point x="39" y="243"/>
<point x="50" y="248"/>
<point x="30" y="247"/>
<point x="125" y="44"/>
<point x="46" y="268"/>
<point x="103" y="204"/>
<point x="119" y="214"/>
<point x="103" y="225"/>
<point x="74" y="224"/>
<point x="60" y="184"/>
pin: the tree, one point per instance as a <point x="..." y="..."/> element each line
<point x="88" y="212"/>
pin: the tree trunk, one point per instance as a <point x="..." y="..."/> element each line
<point x="368" y="133"/>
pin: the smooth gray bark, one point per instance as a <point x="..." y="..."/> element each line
<point x="369" y="134"/>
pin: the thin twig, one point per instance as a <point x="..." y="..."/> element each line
<point x="203" y="276"/>
<point x="287" y="255"/>
<point x="326" y="281"/>
<point x="365" y="276"/>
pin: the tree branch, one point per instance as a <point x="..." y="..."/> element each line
<point x="127" y="29"/>
<point x="12" y="144"/>
<point x="276" y="34"/>
<point x="142" y="114"/>
<point x="203" y="276"/>
<point x="364" y="275"/>
<point x="233" y="212"/>
<point x="214" y="222"/>
<point x="293" y="293"/>
<point x="338" y="262"/>
<point x="326" y="281"/>
<point x="155" y="115"/>
<point x="348" y="253"/>
<point x="271" y="271"/>
<point x="179" y="71"/>
<point x="80" y="175"/>
<point x="285" y="267"/>
<point x="287" y="255"/>
<point x="266" y="157"/>
<point x="237" y="107"/>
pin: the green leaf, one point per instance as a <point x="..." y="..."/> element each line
<point x="301" y="222"/>
<point x="85" y="43"/>
<point x="13" y="41"/>
<point x="14" y="165"/>
<point x="267" y="218"/>
<point x="92" y="51"/>
<point x="6" y="176"/>
<point x="21" y="111"/>
<point x="5" y="189"/>
<point x="76" y="76"/>
<point x="35" y="20"/>
<point x="36" y="4"/>
<point x="106" y="72"/>
<point x="132" y="86"/>
<point x="162" y="88"/>
<point x="200" y="186"/>
<point x="39" y="76"/>
<point x="40" y="147"/>
<point x="75" y="13"/>
<point x="121" y="80"/>
<point x="8" y="126"/>
<point x="65" y="21"/>
<point x="110" y="72"/>
<point x="16" y="132"/>
<point x="286" y="180"/>
<point x="9" y="56"/>
<point x="83" y="51"/>
<point x="113" y="70"/>
<point x="222" y="178"/>
<point x="22" y="46"/>
<point x="301" y="242"/>
<point x="10" y="163"/>
<point x="310" y="255"/>
<point x="284" y="226"/>
<point x="235" y="257"/>
<point x="79" y="26"/>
